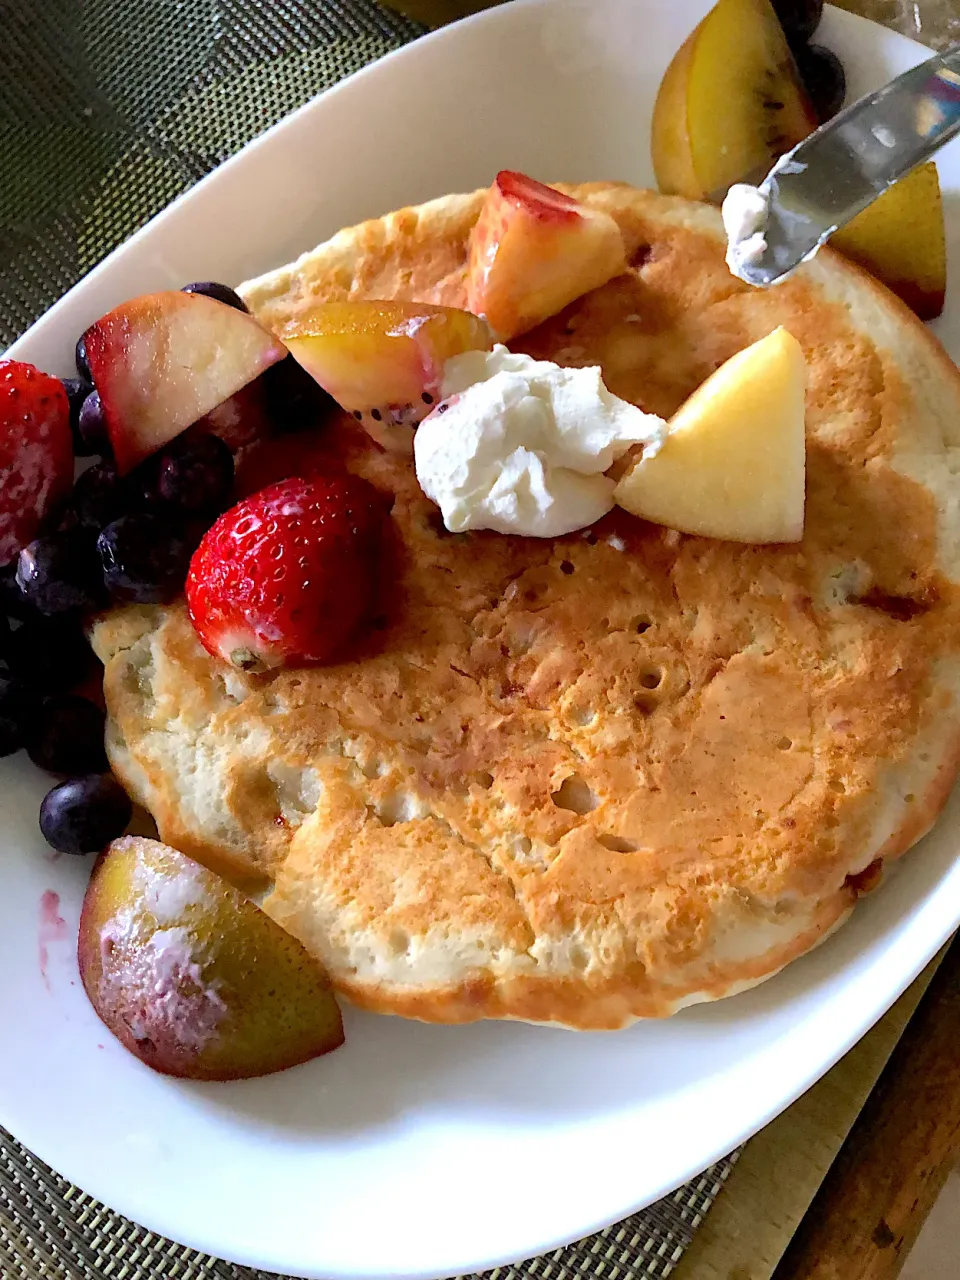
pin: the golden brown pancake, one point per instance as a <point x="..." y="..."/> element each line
<point x="594" y="778"/>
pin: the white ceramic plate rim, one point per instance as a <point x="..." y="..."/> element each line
<point x="860" y="972"/>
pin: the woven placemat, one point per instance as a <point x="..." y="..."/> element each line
<point x="108" y="110"/>
<point x="50" y="1230"/>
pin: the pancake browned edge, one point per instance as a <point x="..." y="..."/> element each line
<point x="601" y="777"/>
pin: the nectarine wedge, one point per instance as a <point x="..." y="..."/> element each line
<point x="163" y="360"/>
<point x="535" y="250"/>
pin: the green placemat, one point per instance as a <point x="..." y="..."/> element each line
<point x="111" y="108"/>
<point x="108" y="110"/>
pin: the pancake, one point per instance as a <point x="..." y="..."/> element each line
<point x="595" y="778"/>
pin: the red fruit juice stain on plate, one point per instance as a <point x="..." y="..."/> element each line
<point x="53" y="928"/>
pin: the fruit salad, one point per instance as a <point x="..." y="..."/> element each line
<point x="111" y="483"/>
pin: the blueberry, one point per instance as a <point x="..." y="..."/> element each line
<point x="98" y="497"/>
<point x="294" y="399"/>
<point x="194" y="473"/>
<point x="799" y="19"/>
<point x="822" y="73"/>
<point x="145" y="558"/>
<point x="91" y="435"/>
<point x="66" y="736"/>
<point x="60" y="573"/>
<point x="17" y="705"/>
<point x="50" y="655"/>
<point x="85" y="814"/>
<point x="83" y="367"/>
<point x="12" y="602"/>
<point x="11" y="740"/>
<point x="219" y="292"/>
<point x="77" y="389"/>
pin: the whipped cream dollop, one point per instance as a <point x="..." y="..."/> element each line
<point x="520" y="446"/>
<point x="745" y="211"/>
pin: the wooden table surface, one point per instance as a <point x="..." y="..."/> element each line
<point x="838" y="1186"/>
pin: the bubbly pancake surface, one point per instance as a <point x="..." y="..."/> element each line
<point x="592" y="778"/>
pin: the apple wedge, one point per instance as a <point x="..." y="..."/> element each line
<point x="900" y="239"/>
<point x="733" y="463"/>
<point x="534" y="251"/>
<point x="730" y="104"/>
<point x="163" y="360"/>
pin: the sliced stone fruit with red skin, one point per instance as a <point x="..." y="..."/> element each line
<point x="164" y="360"/>
<point x="191" y="976"/>
<point x="534" y="251"/>
<point x="383" y="361"/>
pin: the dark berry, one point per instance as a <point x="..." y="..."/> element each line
<point x="60" y="573"/>
<point x="294" y="399"/>
<point x="12" y="602"/>
<point x="145" y="558"/>
<point x="219" y="292"/>
<point x="194" y="473"/>
<point x="66" y="736"/>
<point x="823" y="76"/>
<point x="50" y="655"/>
<point x="85" y="814"/>
<point x="91" y="435"/>
<point x="17" y="708"/>
<point x="77" y="390"/>
<point x="83" y="367"/>
<point x="98" y="497"/>
<point x="799" y="19"/>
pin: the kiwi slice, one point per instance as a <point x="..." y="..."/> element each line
<point x="730" y="103"/>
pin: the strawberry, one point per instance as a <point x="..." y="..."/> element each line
<point x="36" y="452"/>
<point x="270" y="460"/>
<point x="287" y="576"/>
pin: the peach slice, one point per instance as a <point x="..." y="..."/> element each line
<point x="383" y="361"/>
<point x="900" y="239"/>
<point x="730" y="103"/>
<point x="164" y="360"/>
<point x="534" y="251"/>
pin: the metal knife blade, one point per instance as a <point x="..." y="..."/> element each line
<point x="847" y="163"/>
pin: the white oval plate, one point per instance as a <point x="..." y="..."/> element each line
<point x="422" y="1151"/>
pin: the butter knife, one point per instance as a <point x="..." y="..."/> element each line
<point x="833" y="175"/>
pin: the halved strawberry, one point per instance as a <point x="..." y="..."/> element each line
<point x="383" y="361"/>
<point x="534" y="251"/>
<point x="288" y="576"/>
<point x="162" y="361"/>
<point x="36" y="452"/>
